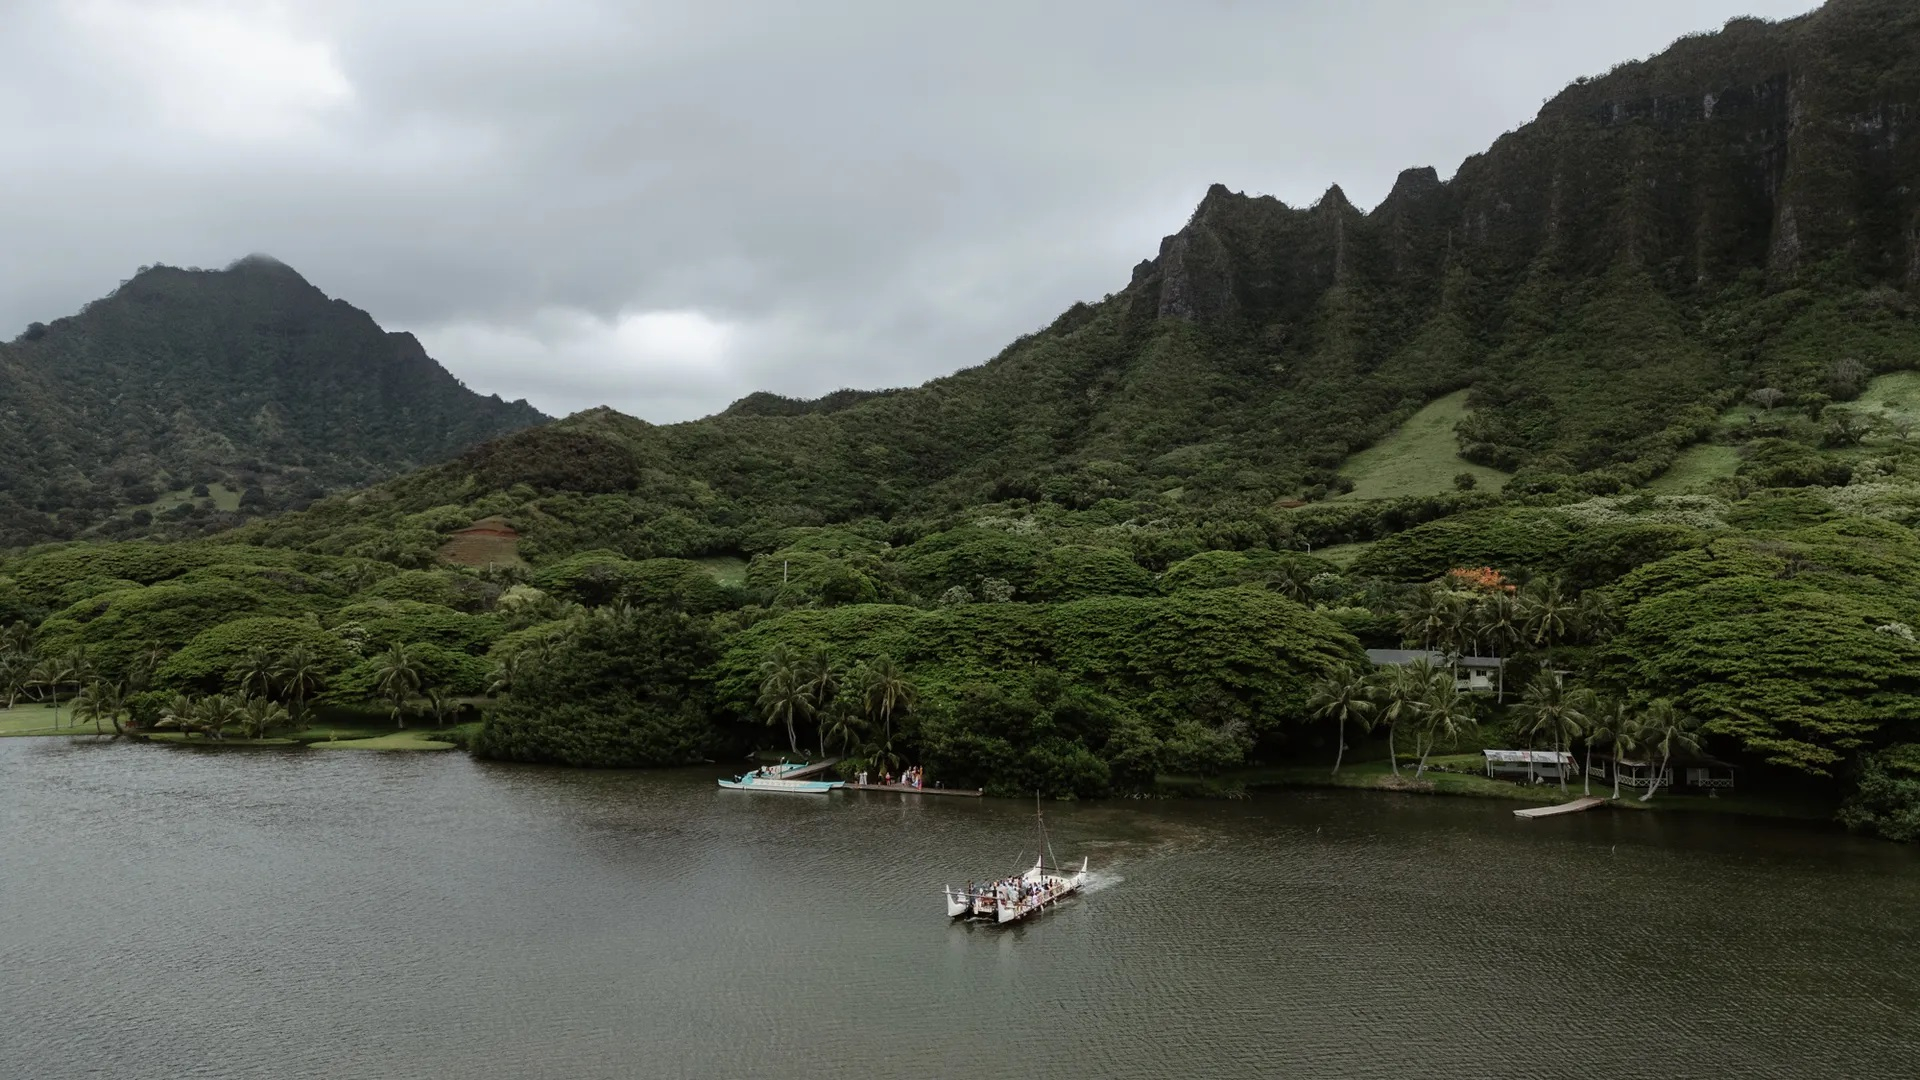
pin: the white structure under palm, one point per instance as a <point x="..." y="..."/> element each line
<point x="1476" y="674"/>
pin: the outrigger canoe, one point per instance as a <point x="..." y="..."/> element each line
<point x="771" y="778"/>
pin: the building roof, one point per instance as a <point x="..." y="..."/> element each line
<point x="1695" y="761"/>
<point x="1538" y="757"/>
<point x="1437" y="659"/>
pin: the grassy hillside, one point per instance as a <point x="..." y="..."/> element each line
<point x="1420" y="457"/>
<point x="1696" y="468"/>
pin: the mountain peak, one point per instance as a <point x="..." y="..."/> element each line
<point x="260" y="263"/>
<point x="247" y="376"/>
<point x="1334" y="199"/>
<point x="1413" y="184"/>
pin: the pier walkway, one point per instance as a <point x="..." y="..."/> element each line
<point x="1573" y="807"/>
<point x="908" y="789"/>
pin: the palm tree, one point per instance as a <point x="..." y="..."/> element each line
<point x="17" y="638"/>
<point x="300" y="675"/>
<point x="1290" y="582"/>
<point x="1444" y="714"/>
<point x="505" y="672"/>
<point x="1664" y="731"/>
<point x="141" y="669"/>
<point x="51" y="674"/>
<point x="1595" y="616"/>
<point x="843" y="724"/>
<point x="182" y="713"/>
<point x="1427" y="615"/>
<point x="15" y="676"/>
<point x="1402" y="693"/>
<point x="1344" y="697"/>
<point x="822" y="679"/>
<point x="216" y="712"/>
<point x="884" y="759"/>
<point x="79" y="667"/>
<point x="1550" y="708"/>
<point x="1458" y="626"/>
<point x="397" y="677"/>
<point x="101" y="700"/>
<point x="257" y="672"/>
<point x="1608" y="723"/>
<point x="1546" y="613"/>
<point x="784" y="697"/>
<point x="886" y="693"/>
<point x="1500" y="619"/>
<point x="259" y="715"/>
<point x="441" y="707"/>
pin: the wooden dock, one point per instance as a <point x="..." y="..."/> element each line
<point x="1573" y="807"/>
<point x="910" y="790"/>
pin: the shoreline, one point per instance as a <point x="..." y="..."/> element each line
<point x="1377" y="776"/>
<point x="1373" y="776"/>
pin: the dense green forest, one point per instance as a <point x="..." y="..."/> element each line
<point x="189" y="400"/>
<point x="1127" y="555"/>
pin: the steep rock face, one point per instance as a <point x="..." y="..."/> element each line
<point x="1737" y="212"/>
<point x="248" y="377"/>
<point x="1783" y="150"/>
<point x="1604" y="279"/>
<point x="1778" y="146"/>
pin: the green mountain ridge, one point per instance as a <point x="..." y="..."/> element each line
<point x="1095" y="563"/>
<point x="1737" y="212"/>
<point x="247" y="377"/>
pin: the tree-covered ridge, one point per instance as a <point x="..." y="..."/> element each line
<point x="1604" y="281"/>
<point x="1111" y="561"/>
<point x="124" y="418"/>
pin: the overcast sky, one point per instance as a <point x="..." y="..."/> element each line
<point x="662" y="205"/>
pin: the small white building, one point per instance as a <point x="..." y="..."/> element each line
<point x="1548" y="765"/>
<point x="1696" y="773"/>
<point x="1477" y="674"/>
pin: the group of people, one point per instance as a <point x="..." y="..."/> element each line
<point x="913" y="776"/>
<point x="1011" y="888"/>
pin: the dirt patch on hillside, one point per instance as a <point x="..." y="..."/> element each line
<point x="486" y="542"/>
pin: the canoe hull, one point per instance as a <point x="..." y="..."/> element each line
<point x="1012" y="903"/>
<point x="792" y="787"/>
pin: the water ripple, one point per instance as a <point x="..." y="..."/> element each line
<point x="167" y="914"/>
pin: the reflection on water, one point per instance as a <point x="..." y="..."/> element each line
<point x="168" y="913"/>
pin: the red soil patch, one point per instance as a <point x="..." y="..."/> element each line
<point x="487" y="541"/>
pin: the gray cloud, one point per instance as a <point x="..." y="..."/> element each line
<point x="665" y="205"/>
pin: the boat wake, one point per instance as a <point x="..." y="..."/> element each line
<point x="1100" y="881"/>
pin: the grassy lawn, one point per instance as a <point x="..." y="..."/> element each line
<point x="416" y="739"/>
<point x="1459" y="774"/>
<point x="1694" y="468"/>
<point x="28" y="718"/>
<point x="1342" y="555"/>
<point x="219" y="497"/>
<point x="1898" y="392"/>
<point x="1378" y="775"/>
<point x="1421" y="457"/>
<point x="726" y="569"/>
<point x="1886" y="397"/>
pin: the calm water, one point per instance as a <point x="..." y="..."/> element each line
<point x="174" y="913"/>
